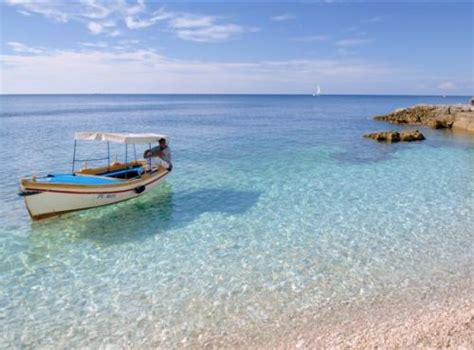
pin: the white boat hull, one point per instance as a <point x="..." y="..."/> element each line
<point x="54" y="201"/>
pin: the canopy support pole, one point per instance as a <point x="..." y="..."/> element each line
<point x="126" y="159"/>
<point x="135" y="152"/>
<point x="126" y="153"/>
<point x="149" y="158"/>
<point x="108" y="156"/>
<point x="74" y="156"/>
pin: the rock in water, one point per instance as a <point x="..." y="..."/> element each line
<point x="435" y="116"/>
<point x="384" y="136"/>
<point x="395" y="136"/>
<point x="411" y="135"/>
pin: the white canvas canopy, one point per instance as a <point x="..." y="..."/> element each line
<point x="125" y="138"/>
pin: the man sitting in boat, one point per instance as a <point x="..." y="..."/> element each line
<point x="162" y="151"/>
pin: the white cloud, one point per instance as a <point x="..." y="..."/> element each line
<point x="96" y="10"/>
<point x="98" y="17"/>
<point x="213" y="33"/>
<point x="106" y="17"/>
<point x="447" y="86"/>
<point x="100" y="44"/>
<point x="373" y="20"/>
<point x="283" y="17"/>
<point x="129" y="42"/>
<point x="133" y="22"/>
<point x="87" y="71"/>
<point x="351" y="42"/>
<point x="135" y="9"/>
<point x="343" y="51"/>
<point x="192" y="21"/>
<point x="22" y="48"/>
<point x="113" y="33"/>
<point x="311" y="38"/>
<point x="49" y="9"/>
<point x="95" y="28"/>
<point x="200" y="28"/>
<point x="25" y="13"/>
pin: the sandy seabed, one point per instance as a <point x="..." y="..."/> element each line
<point x="421" y="322"/>
<point x="439" y="323"/>
<point x="450" y="325"/>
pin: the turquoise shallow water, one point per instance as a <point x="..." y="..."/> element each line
<point x="276" y="208"/>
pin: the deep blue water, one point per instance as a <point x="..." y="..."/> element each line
<point x="276" y="206"/>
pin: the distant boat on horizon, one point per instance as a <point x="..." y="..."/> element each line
<point x="318" y="91"/>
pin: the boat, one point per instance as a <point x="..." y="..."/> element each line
<point x="318" y="91"/>
<point x="55" y="194"/>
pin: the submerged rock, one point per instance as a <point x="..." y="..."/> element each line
<point x="434" y="116"/>
<point x="395" y="136"/>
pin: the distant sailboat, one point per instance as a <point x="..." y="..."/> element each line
<point x="318" y="91"/>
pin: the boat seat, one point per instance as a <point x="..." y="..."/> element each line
<point x="125" y="173"/>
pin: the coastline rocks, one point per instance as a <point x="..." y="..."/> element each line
<point x="395" y="136"/>
<point x="411" y="135"/>
<point x="384" y="136"/>
<point x="434" y="116"/>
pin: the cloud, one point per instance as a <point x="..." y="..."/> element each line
<point x="283" y="17"/>
<point x="22" y="48"/>
<point x="211" y="34"/>
<point x="95" y="28"/>
<point x="100" y="44"/>
<point x="85" y="10"/>
<point x="192" y="21"/>
<point x="106" y="18"/>
<point x="351" y="42"/>
<point x="191" y="27"/>
<point x="343" y="51"/>
<point x="447" y="86"/>
<point x="129" y="42"/>
<point x="49" y="9"/>
<point x="113" y="33"/>
<point x="373" y="20"/>
<point x="200" y="28"/>
<point x="25" y="13"/>
<point x="97" y="70"/>
<point x="134" y="22"/>
<point x="311" y="38"/>
<point x="99" y="17"/>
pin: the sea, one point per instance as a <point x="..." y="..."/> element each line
<point x="277" y="213"/>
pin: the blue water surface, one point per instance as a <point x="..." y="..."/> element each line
<point x="276" y="207"/>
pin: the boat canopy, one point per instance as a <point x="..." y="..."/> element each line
<point x="125" y="138"/>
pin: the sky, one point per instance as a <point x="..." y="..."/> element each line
<point x="139" y="46"/>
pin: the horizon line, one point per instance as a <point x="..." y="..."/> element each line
<point x="222" y="94"/>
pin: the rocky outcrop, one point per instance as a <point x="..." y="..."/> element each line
<point x="395" y="136"/>
<point x="411" y="135"/>
<point x="384" y="136"/>
<point x="435" y="116"/>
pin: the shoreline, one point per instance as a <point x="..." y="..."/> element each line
<point x="438" y="324"/>
<point x="457" y="117"/>
<point x="434" y="319"/>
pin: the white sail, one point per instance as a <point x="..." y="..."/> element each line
<point x="318" y="91"/>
